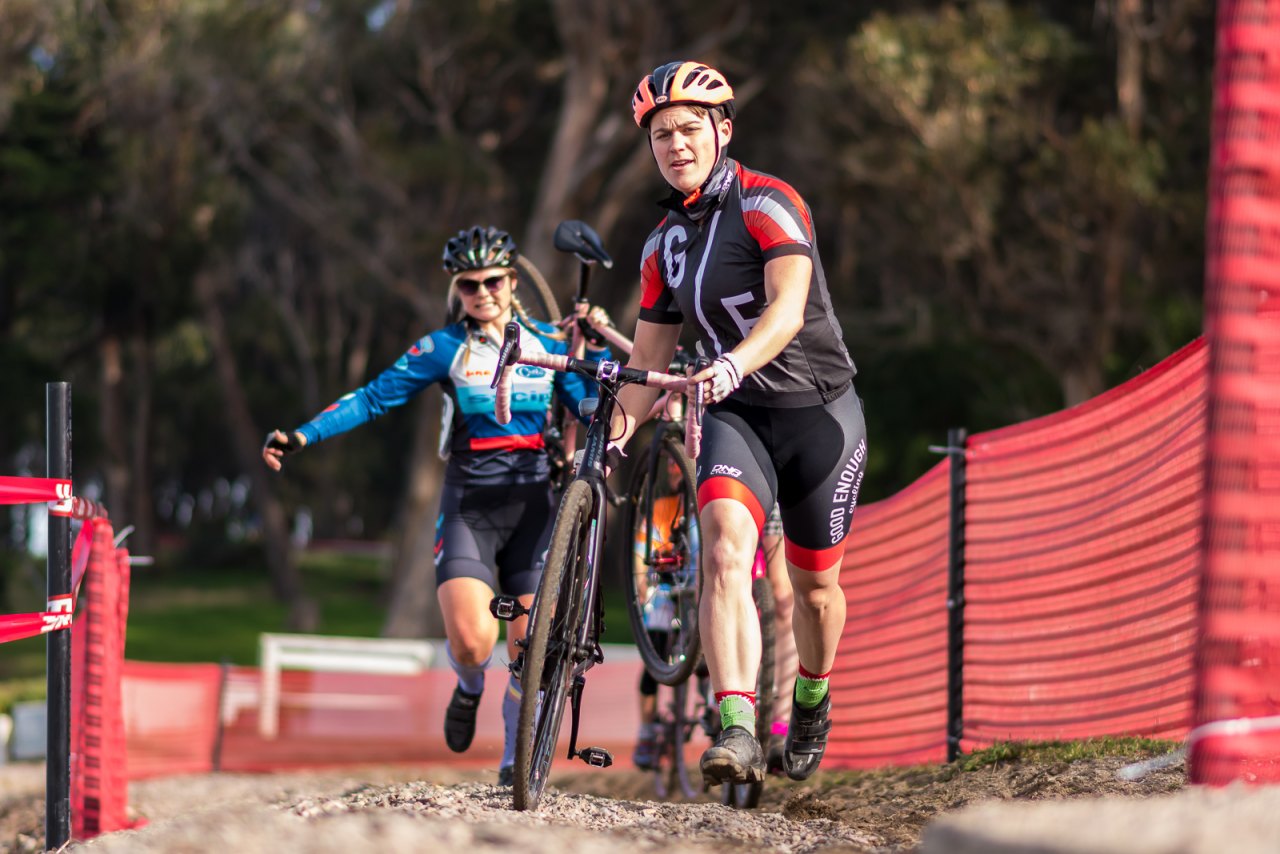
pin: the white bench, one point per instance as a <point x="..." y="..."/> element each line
<point x="387" y="656"/>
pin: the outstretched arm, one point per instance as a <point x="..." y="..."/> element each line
<point x="279" y="445"/>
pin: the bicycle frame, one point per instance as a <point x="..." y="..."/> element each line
<point x="589" y="468"/>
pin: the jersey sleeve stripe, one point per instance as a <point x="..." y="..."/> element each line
<point x="653" y="315"/>
<point x="771" y="223"/>
<point x="651" y="286"/>
<point x="757" y="183"/>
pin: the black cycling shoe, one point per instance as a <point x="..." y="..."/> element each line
<point x="460" y="720"/>
<point x="507" y="775"/>
<point x="806" y="739"/>
<point x="773" y="754"/>
<point x="736" y="757"/>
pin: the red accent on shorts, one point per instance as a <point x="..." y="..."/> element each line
<point x="716" y="488"/>
<point x="509" y="443"/>
<point x="750" y="695"/>
<point x="811" y="559"/>
<point x="807" y="675"/>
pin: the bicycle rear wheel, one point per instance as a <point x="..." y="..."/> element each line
<point x="535" y="294"/>
<point x="662" y="516"/>
<point x="548" y="659"/>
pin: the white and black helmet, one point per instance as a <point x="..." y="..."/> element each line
<point x="478" y="248"/>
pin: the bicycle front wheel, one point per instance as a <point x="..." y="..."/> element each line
<point x="666" y="577"/>
<point x="548" y="658"/>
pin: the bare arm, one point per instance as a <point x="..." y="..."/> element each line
<point x="655" y="344"/>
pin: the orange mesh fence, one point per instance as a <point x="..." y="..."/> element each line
<point x="889" y="685"/>
<point x="1082" y="537"/>
<point x="1238" y="699"/>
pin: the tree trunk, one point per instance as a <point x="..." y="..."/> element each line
<point x="141" y="507"/>
<point x="114" y="435"/>
<point x="286" y="580"/>
<point x="413" y="610"/>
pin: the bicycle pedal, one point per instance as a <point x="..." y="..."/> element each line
<point x="596" y="757"/>
<point x="507" y="608"/>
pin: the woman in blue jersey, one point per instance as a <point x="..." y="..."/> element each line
<point x="735" y="258"/>
<point x="496" y="506"/>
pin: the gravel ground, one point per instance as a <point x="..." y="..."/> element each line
<point x="1058" y="807"/>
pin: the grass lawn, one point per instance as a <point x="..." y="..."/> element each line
<point x="212" y="615"/>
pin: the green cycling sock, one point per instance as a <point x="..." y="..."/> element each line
<point x="811" y="692"/>
<point x="737" y="710"/>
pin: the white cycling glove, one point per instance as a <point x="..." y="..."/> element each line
<point x="727" y="377"/>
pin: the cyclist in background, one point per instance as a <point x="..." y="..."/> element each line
<point x="659" y="607"/>
<point x="736" y="257"/>
<point x="496" y="506"/>
<point x="784" y="644"/>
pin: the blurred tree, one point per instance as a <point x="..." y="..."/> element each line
<point x="216" y="217"/>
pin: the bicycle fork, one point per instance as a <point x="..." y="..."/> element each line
<point x="590" y="654"/>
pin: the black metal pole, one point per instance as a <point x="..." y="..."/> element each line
<point x="57" y="817"/>
<point x="955" y="595"/>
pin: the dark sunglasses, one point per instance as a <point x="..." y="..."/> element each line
<point x="470" y="287"/>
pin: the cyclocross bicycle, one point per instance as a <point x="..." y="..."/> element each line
<point x="662" y="516"/>
<point x="566" y="617"/>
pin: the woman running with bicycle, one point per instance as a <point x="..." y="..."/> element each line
<point x="496" y="507"/>
<point x="736" y="257"/>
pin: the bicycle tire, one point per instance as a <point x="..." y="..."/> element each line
<point x="683" y="728"/>
<point x="677" y="663"/>
<point x="537" y="297"/>
<point x="664" y="751"/>
<point x="550" y="640"/>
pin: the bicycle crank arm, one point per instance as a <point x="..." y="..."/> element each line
<point x="596" y="757"/>
<point x="507" y="608"/>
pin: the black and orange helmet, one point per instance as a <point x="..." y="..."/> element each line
<point x="681" y="83"/>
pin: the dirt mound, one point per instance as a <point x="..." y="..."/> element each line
<point x="379" y="809"/>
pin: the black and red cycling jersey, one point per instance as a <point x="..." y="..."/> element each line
<point x="710" y="272"/>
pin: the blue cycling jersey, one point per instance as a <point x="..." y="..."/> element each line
<point x="462" y="359"/>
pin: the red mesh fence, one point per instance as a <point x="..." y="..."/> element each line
<point x="889" y="685"/>
<point x="1082" y="546"/>
<point x="326" y="718"/>
<point x="99" y="793"/>
<point x="170" y="717"/>
<point x="1240" y="641"/>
